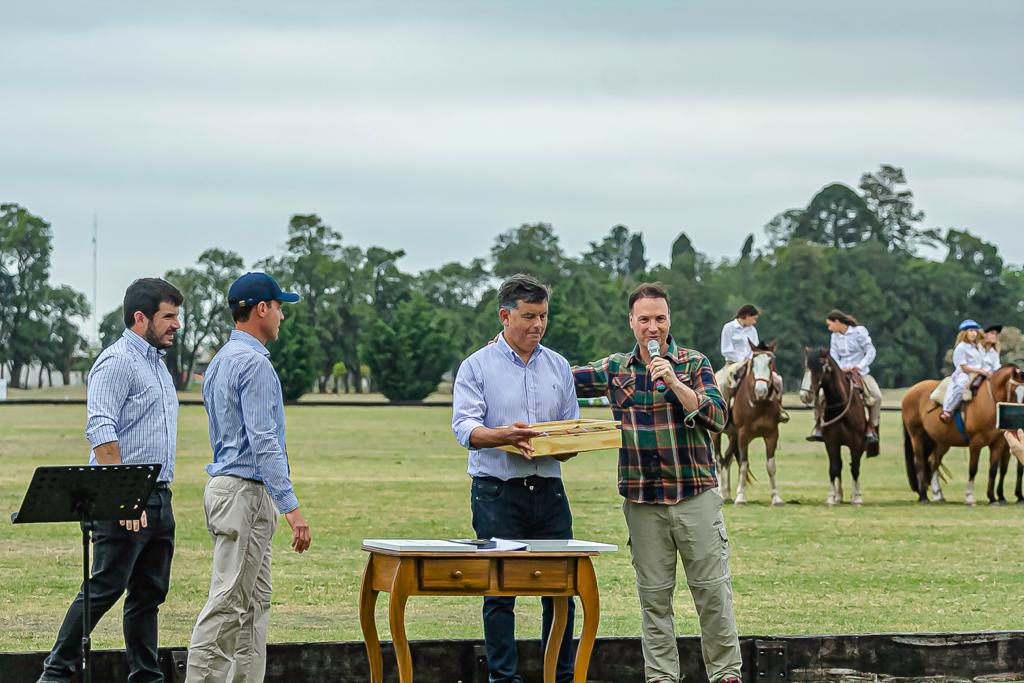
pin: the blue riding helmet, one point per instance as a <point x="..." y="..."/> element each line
<point x="969" y="325"/>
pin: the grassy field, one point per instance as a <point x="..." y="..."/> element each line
<point x="377" y="472"/>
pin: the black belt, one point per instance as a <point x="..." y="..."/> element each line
<point x="532" y="480"/>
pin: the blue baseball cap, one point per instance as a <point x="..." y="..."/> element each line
<point x="252" y="288"/>
<point x="969" y="325"/>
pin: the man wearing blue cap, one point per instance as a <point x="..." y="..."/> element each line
<point x="249" y="485"/>
<point x="968" y="361"/>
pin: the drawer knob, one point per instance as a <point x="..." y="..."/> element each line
<point x="536" y="574"/>
<point x="457" y="574"/>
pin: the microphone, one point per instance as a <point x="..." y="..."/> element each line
<point x="654" y="350"/>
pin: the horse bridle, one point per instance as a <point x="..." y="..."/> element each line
<point x="850" y="389"/>
<point x="769" y="382"/>
<point x="1011" y="384"/>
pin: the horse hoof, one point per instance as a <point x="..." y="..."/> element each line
<point x="778" y="502"/>
<point x="970" y="502"/>
<point x="1020" y="501"/>
<point x="857" y="501"/>
<point x="740" y="501"/>
<point x="997" y="502"/>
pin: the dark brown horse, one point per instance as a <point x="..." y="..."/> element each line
<point x="926" y="439"/>
<point x="756" y="411"/>
<point x="843" y="420"/>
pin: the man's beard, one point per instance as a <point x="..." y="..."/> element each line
<point x="155" y="340"/>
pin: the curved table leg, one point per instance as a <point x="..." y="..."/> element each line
<point x="586" y="583"/>
<point x="561" y="618"/>
<point x="367" y="603"/>
<point x="400" y="590"/>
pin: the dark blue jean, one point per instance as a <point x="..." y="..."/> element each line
<point x="534" y="507"/>
<point x="139" y="562"/>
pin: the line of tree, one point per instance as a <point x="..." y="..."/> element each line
<point x="863" y="249"/>
<point x="39" y="323"/>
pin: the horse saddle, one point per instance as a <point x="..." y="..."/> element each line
<point x="858" y="384"/>
<point x="938" y="394"/>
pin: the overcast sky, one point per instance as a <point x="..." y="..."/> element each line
<point x="434" y="126"/>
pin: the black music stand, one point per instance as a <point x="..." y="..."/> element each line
<point x="87" y="494"/>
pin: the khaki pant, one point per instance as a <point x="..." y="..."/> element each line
<point x="873" y="400"/>
<point x="229" y="641"/>
<point x="693" y="529"/>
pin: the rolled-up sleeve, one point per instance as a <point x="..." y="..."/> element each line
<point x="468" y="404"/>
<point x="592" y="379"/>
<point x="109" y="385"/>
<point x="260" y="396"/>
<point x="711" y="409"/>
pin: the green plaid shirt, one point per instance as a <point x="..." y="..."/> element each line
<point x="666" y="453"/>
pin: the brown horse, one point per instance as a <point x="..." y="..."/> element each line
<point x="843" y="421"/>
<point x="926" y="439"/>
<point x="756" y="412"/>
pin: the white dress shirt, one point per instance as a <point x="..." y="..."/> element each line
<point x="736" y="340"/>
<point x="853" y="349"/>
<point x="992" y="361"/>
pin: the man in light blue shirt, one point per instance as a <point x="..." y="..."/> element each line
<point x="132" y="419"/>
<point x="249" y="485"/>
<point x="499" y="391"/>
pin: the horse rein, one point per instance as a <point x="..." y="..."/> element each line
<point x="849" y="401"/>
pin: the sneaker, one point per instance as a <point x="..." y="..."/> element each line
<point x="815" y="436"/>
<point x="783" y="417"/>
<point x="731" y="679"/>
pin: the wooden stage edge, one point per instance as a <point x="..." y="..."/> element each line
<point x="903" y="657"/>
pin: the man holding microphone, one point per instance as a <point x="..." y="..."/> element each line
<point x="668" y="402"/>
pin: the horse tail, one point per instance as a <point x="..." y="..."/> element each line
<point x="750" y="478"/>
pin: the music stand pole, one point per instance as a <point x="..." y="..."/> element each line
<point x="86" y="600"/>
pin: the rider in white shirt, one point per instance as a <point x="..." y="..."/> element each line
<point x="737" y="336"/>
<point x="990" y="343"/>
<point x="968" y="360"/>
<point x="852" y="349"/>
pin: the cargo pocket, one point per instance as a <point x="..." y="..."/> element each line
<point x="723" y="536"/>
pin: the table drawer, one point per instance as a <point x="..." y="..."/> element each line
<point x="532" y="575"/>
<point x="454" y="574"/>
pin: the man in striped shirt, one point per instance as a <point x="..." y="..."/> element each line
<point x="250" y="483"/>
<point x="499" y="391"/>
<point x="668" y="405"/>
<point x="132" y="418"/>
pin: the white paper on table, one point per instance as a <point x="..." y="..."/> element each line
<point x="502" y="545"/>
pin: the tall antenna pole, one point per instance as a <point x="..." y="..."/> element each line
<point x="95" y="300"/>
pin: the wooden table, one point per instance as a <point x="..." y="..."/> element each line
<point x="559" y="575"/>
